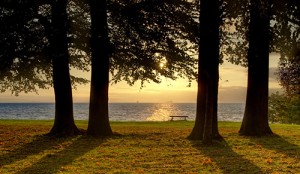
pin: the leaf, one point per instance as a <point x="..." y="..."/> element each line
<point x="269" y="161"/>
<point x="207" y="161"/>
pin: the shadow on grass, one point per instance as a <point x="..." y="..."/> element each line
<point x="279" y="144"/>
<point x="52" y="163"/>
<point x="39" y="144"/>
<point x="226" y="159"/>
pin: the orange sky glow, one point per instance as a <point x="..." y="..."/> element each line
<point x="232" y="89"/>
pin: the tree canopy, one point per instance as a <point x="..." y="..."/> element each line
<point x="25" y="49"/>
<point x="24" y="62"/>
<point x="151" y="39"/>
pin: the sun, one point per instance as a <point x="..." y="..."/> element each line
<point x="161" y="65"/>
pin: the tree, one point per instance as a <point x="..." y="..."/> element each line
<point x="283" y="34"/>
<point x="285" y="107"/>
<point x="42" y="41"/>
<point x="64" y="124"/>
<point x="25" y="32"/>
<point x="98" y="112"/>
<point x="148" y="47"/>
<point x="208" y="75"/>
<point x="255" y="120"/>
<point x="131" y="45"/>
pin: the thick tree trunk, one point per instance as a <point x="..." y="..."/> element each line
<point x="215" y="131"/>
<point x="255" y="121"/>
<point x="207" y="134"/>
<point x="64" y="121"/>
<point x="98" y="116"/>
<point x="206" y="124"/>
<point x="198" y="130"/>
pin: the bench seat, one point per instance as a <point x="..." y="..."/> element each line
<point x="178" y="116"/>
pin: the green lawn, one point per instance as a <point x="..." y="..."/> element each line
<point x="146" y="147"/>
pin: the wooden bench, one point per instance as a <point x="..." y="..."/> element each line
<point x="178" y="116"/>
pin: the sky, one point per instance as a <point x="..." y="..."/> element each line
<point x="232" y="89"/>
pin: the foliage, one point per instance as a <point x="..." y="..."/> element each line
<point x="284" y="108"/>
<point x="289" y="70"/>
<point x="152" y="39"/>
<point x="23" y="53"/>
<point x="25" y="61"/>
<point x="146" y="147"/>
<point x="234" y="28"/>
<point x="284" y="29"/>
<point x="149" y="40"/>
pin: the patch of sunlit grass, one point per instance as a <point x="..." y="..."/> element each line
<point x="146" y="147"/>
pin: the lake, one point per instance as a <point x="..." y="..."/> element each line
<point x="120" y="111"/>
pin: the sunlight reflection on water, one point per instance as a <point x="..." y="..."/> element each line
<point x="162" y="113"/>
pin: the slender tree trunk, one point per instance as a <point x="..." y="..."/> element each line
<point x="64" y="121"/>
<point x="206" y="124"/>
<point x="255" y="121"/>
<point x="98" y="116"/>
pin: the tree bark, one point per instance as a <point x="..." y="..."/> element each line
<point x="215" y="131"/>
<point x="64" y="124"/>
<point x="198" y="130"/>
<point x="207" y="134"/>
<point x="206" y="123"/>
<point x="255" y="121"/>
<point x="98" y="115"/>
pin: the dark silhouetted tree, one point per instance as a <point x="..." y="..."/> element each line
<point x="36" y="38"/>
<point x="208" y="73"/>
<point x="255" y="120"/>
<point x="98" y="112"/>
<point x="137" y="37"/>
<point x="64" y="124"/>
<point x="274" y="27"/>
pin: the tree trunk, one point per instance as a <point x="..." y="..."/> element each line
<point x="206" y="123"/>
<point x="207" y="134"/>
<point x="198" y="130"/>
<point x="64" y="121"/>
<point x="98" y="116"/>
<point x="215" y="131"/>
<point x="255" y="121"/>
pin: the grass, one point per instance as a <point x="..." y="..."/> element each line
<point x="146" y="147"/>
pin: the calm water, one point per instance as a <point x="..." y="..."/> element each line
<point x="120" y="111"/>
